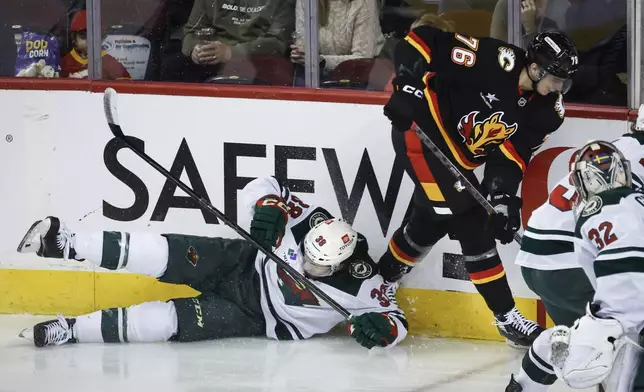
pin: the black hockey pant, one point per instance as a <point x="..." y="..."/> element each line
<point x="437" y="209"/>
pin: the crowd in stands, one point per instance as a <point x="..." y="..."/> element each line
<point x="263" y="41"/>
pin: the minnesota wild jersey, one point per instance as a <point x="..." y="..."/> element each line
<point x="549" y="240"/>
<point x="292" y="311"/>
<point x="610" y="249"/>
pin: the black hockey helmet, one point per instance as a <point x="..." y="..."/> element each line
<point x="555" y="54"/>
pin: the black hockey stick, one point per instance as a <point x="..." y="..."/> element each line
<point x="462" y="183"/>
<point x="109" y="105"/>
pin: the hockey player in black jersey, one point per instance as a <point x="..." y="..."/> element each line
<point x="480" y="100"/>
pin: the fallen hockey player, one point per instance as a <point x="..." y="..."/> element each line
<point x="243" y="293"/>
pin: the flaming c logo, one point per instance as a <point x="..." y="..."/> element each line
<point x="479" y="134"/>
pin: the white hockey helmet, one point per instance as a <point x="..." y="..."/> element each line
<point x="599" y="166"/>
<point x="327" y="245"/>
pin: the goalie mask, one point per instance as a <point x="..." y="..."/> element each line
<point x="327" y="245"/>
<point x="599" y="166"/>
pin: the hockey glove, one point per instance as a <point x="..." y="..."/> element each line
<point x="584" y="355"/>
<point x="406" y="102"/>
<point x="507" y="219"/>
<point x="269" y="221"/>
<point x="373" y="329"/>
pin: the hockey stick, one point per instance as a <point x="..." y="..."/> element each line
<point x="462" y="183"/>
<point x="109" y="105"/>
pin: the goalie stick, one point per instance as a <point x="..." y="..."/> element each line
<point x="110" y="108"/>
<point x="462" y="183"/>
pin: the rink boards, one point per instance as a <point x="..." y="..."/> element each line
<point x="59" y="159"/>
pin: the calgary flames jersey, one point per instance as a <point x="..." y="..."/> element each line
<point x="292" y="311"/>
<point x="473" y="98"/>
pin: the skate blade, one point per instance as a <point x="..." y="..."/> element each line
<point x="27" y="333"/>
<point x="27" y="243"/>
<point x="516" y="346"/>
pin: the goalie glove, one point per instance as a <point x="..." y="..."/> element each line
<point x="373" y="329"/>
<point x="583" y="356"/>
<point x="269" y="221"/>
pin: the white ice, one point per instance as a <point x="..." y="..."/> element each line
<point x="329" y="364"/>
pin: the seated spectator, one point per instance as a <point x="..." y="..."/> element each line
<point x="598" y="28"/>
<point x="535" y="18"/>
<point x="8" y="48"/>
<point x="74" y="64"/>
<point x="349" y="29"/>
<point x="461" y="5"/>
<point x="222" y="32"/>
<point x="602" y="77"/>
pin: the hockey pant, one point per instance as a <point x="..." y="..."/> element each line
<point x="223" y="270"/>
<point x="438" y="209"/>
<point x="564" y="294"/>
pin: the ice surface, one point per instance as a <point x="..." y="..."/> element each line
<point x="329" y="364"/>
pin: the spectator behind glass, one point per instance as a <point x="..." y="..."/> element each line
<point x="536" y="16"/>
<point x="8" y="48"/>
<point x="235" y="30"/>
<point x="348" y="29"/>
<point x="461" y="5"/>
<point x="598" y="28"/>
<point x="74" y="64"/>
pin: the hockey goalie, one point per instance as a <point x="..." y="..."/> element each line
<point x="601" y="346"/>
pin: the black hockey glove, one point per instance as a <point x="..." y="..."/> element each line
<point x="406" y="102"/>
<point x="373" y="329"/>
<point x="269" y="221"/>
<point x="507" y="219"/>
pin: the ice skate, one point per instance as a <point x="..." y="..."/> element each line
<point x="51" y="333"/>
<point x="518" y="331"/>
<point x="48" y="238"/>
<point x="513" y="386"/>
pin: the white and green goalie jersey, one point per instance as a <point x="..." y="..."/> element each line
<point x="610" y="249"/>
<point x="549" y="240"/>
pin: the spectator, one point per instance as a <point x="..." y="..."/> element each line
<point x="602" y="78"/>
<point x="348" y="29"/>
<point x="598" y="28"/>
<point x="535" y="18"/>
<point x="8" y="48"/>
<point x="460" y="5"/>
<point x="74" y="64"/>
<point x="238" y="32"/>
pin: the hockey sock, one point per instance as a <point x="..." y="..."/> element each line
<point x="536" y="374"/>
<point x="147" y="322"/>
<point x="141" y="253"/>
<point x="401" y="256"/>
<point x="488" y="275"/>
